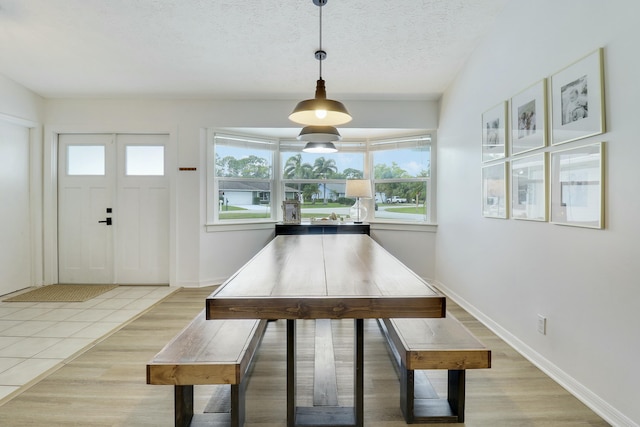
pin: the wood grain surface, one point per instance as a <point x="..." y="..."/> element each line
<point x="325" y="276"/>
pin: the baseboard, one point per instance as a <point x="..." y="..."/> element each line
<point x="586" y="396"/>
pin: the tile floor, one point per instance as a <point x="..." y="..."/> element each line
<point x="38" y="337"/>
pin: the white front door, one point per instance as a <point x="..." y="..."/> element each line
<point x="113" y="209"/>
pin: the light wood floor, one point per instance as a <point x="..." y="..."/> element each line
<point x="106" y="386"/>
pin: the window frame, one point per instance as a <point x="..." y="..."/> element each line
<point x="213" y="181"/>
<point x="403" y="143"/>
<point x="278" y="183"/>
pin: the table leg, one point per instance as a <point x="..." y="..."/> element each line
<point x="359" y="373"/>
<point x="291" y="373"/>
<point x="324" y="415"/>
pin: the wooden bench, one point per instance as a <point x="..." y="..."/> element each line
<point x="208" y="352"/>
<point x="424" y="344"/>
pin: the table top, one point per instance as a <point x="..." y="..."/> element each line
<point x="324" y="277"/>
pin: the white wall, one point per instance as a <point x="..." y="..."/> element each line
<point x="18" y="103"/>
<point x="201" y="257"/>
<point x="415" y="247"/>
<point x="506" y="271"/>
<point x="20" y="189"/>
<point x="15" y="235"/>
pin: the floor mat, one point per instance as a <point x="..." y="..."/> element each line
<point x="61" y="293"/>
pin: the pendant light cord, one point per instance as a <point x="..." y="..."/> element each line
<point x="320" y="7"/>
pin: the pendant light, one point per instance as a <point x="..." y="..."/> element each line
<point x="319" y="134"/>
<point x="320" y="111"/>
<point x="320" y="148"/>
<point x="319" y="139"/>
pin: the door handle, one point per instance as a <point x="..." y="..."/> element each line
<point x="106" y="221"/>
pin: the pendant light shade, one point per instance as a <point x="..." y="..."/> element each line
<point x="320" y="111"/>
<point x="319" y="134"/>
<point x="320" y="147"/>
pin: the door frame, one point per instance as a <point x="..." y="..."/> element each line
<point x="50" y="193"/>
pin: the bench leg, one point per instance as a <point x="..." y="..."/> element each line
<point x="407" y="393"/>
<point x="358" y="380"/>
<point x="455" y="393"/>
<point x="238" y="404"/>
<point x="183" y="404"/>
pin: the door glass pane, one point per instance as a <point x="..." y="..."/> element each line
<point x="85" y="160"/>
<point x="144" y="160"/>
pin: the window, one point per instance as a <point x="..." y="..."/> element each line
<point x="318" y="180"/>
<point x="250" y="177"/>
<point x="402" y="179"/>
<point x="86" y="160"/>
<point x="143" y="160"/>
<point x="242" y="179"/>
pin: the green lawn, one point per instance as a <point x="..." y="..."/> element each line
<point x="235" y="212"/>
<point x="243" y="215"/>
<point x="412" y="209"/>
<point x="232" y="208"/>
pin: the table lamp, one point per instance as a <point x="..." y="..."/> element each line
<point x="358" y="188"/>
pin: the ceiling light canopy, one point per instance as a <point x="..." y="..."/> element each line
<point x="320" y="111"/>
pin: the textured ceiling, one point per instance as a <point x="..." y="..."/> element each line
<point x="239" y="49"/>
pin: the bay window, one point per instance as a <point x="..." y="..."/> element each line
<point x="249" y="177"/>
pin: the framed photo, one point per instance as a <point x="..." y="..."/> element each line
<point x="577" y="186"/>
<point x="494" y="190"/>
<point x="494" y="133"/>
<point x="529" y="118"/>
<point x="577" y="94"/>
<point x="291" y="212"/>
<point x="529" y="188"/>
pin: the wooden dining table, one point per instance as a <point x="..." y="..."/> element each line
<point x="339" y="276"/>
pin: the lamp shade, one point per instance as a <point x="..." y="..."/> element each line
<point x="319" y="134"/>
<point x="320" y="147"/>
<point x="358" y="188"/>
<point x="320" y="111"/>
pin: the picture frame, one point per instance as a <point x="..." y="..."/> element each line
<point x="529" y="118"/>
<point x="291" y="212"/>
<point x="494" y="191"/>
<point x="577" y="186"/>
<point x="529" y="187"/>
<point x="494" y="133"/>
<point x="577" y="94"/>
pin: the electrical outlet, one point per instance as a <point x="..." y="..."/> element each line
<point x="542" y="324"/>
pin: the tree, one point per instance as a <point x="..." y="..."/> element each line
<point x="382" y="171"/>
<point x="351" y="173"/>
<point x="308" y="190"/>
<point x="294" y="168"/>
<point x="324" y="168"/>
<point x="247" y="167"/>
